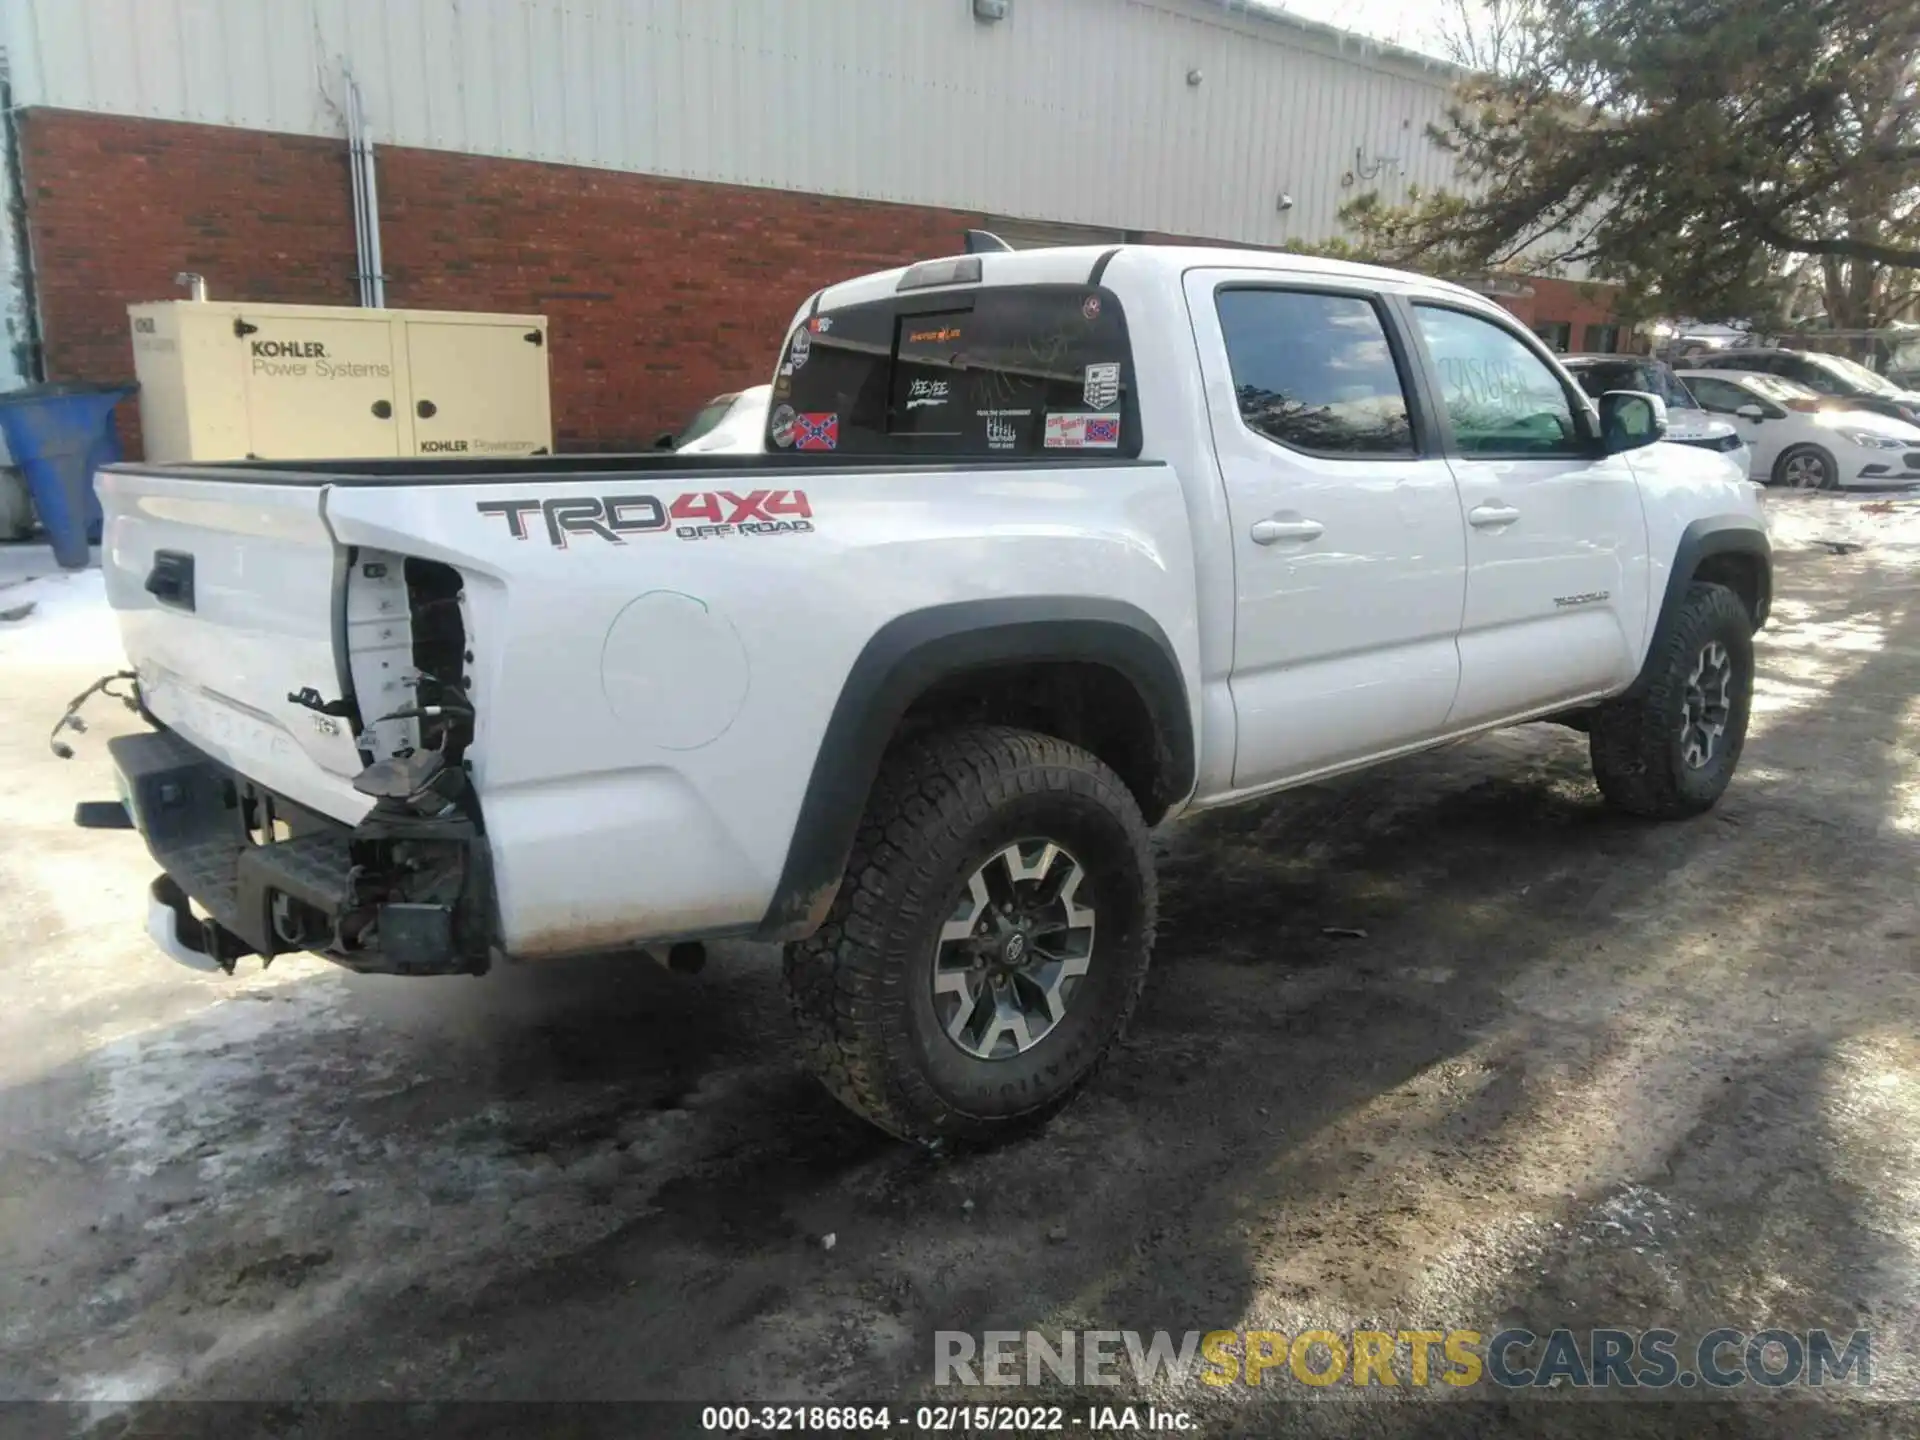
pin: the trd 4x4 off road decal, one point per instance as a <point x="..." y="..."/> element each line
<point x="698" y="515"/>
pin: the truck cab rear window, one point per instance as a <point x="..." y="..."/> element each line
<point x="1014" y="370"/>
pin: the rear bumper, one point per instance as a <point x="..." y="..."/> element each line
<point x="247" y="872"/>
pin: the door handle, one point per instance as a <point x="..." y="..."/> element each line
<point x="1266" y="532"/>
<point x="170" y="581"/>
<point x="1492" y="515"/>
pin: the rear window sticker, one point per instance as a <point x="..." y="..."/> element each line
<point x="924" y="393"/>
<point x="1102" y="386"/>
<point x="782" y="426"/>
<point x="816" y="430"/>
<point x="1083" y="432"/>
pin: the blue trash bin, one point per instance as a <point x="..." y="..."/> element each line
<point x="57" y="435"/>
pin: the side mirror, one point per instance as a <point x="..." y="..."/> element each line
<point x="1630" y="419"/>
<point x="1751" y="412"/>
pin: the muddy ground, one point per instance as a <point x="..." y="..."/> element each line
<point x="1577" y="1070"/>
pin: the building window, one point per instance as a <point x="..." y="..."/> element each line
<point x="1602" y="339"/>
<point x="1557" y="333"/>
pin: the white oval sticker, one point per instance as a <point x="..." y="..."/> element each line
<point x="782" y="427"/>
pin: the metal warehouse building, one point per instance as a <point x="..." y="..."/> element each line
<point x="665" y="179"/>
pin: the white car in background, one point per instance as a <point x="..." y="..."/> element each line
<point x="1806" y="440"/>
<point x="728" y="425"/>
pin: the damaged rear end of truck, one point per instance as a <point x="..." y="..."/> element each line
<point x="306" y="785"/>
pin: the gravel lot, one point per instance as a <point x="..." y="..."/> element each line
<point x="1576" y="1071"/>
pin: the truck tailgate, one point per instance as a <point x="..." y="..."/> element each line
<point x="228" y="598"/>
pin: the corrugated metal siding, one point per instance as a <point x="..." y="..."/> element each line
<point x="1071" y="110"/>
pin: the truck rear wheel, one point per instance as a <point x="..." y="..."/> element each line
<point x="989" y="941"/>
<point x="1669" y="749"/>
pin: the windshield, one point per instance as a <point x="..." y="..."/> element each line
<point x="708" y="416"/>
<point x="1598" y="377"/>
<point x="1776" y="389"/>
<point x="1855" y="374"/>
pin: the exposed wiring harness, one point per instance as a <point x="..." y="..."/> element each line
<point x="71" y="719"/>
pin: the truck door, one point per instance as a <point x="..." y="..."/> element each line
<point x="318" y="386"/>
<point x="1349" y="564"/>
<point x="1556" y="537"/>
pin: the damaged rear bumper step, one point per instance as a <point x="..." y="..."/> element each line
<point x="400" y="893"/>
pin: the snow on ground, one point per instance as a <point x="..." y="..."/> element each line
<point x="70" y="622"/>
<point x="1888" y="525"/>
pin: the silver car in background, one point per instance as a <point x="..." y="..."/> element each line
<point x="1687" y="422"/>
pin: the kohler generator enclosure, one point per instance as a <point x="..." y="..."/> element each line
<point x="227" y="380"/>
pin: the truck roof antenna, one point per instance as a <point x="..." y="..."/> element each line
<point x="985" y="242"/>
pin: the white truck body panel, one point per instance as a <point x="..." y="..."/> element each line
<point x="1579" y="532"/>
<point x="591" y="658"/>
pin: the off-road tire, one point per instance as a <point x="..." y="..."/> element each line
<point x="1635" y="741"/>
<point x="861" y="986"/>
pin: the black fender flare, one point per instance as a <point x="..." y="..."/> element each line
<point x="1709" y="536"/>
<point x="910" y="654"/>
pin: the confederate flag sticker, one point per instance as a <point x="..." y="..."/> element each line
<point x="816" y="430"/>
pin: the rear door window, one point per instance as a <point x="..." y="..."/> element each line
<point x="1002" y="372"/>
<point x="1314" y="371"/>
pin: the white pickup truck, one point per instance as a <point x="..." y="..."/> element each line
<point x="1046" y="548"/>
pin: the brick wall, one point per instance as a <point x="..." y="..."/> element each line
<point x="116" y="208"/>
<point x="662" y="293"/>
<point x="1570" y="302"/>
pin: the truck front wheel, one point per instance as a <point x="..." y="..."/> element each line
<point x="989" y="940"/>
<point x="1668" y="749"/>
